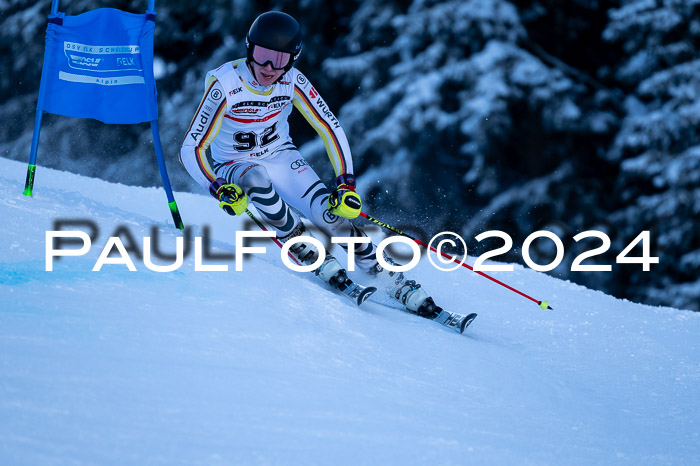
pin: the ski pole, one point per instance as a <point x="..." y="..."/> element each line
<point x="543" y="304"/>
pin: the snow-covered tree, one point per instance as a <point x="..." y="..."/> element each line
<point x="658" y="145"/>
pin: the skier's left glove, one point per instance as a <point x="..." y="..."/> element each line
<point x="231" y="197"/>
<point x="344" y="201"/>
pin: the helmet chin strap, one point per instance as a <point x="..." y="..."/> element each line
<point x="251" y="69"/>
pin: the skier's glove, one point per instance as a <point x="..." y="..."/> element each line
<point x="344" y="201"/>
<point x="230" y="196"/>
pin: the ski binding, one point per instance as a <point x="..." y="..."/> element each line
<point x="354" y="291"/>
<point x="357" y="292"/>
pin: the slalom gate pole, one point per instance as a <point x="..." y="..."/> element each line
<point x="261" y="225"/>
<point x="174" y="211"/>
<point x="543" y="304"/>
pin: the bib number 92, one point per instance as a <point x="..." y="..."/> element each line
<point x="245" y="141"/>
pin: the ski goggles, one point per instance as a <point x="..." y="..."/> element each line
<point x="263" y="56"/>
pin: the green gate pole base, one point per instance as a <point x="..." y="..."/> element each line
<point x="29" y="183"/>
<point x="176" y="215"/>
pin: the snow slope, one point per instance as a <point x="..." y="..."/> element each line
<point x="266" y="366"/>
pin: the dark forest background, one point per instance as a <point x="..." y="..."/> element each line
<point x="468" y="116"/>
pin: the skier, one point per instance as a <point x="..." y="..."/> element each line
<point x="242" y="120"/>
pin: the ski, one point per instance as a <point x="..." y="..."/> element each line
<point x="454" y="321"/>
<point x="356" y="292"/>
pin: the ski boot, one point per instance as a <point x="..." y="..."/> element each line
<point x="415" y="299"/>
<point x="304" y="252"/>
<point x="410" y="294"/>
<point x="407" y="292"/>
<point x="330" y="271"/>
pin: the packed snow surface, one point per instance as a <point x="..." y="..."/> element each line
<point x="269" y="366"/>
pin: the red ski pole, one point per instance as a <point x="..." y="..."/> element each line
<point x="543" y="304"/>
<point x="262" y="227"/>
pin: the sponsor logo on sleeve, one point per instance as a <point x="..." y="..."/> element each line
<point x="201" y="123"/>
<point x="327" y="113"/>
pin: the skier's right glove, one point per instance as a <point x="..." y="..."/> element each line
<point x="230" y="196"/>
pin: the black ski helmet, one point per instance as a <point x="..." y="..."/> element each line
<point x="276" y="31"/>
